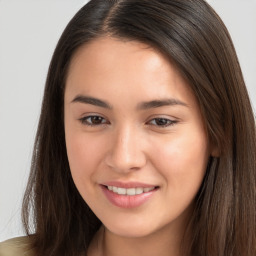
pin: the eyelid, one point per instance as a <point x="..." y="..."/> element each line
<point x="170" y="122"/>
<point x="84" y="119"/>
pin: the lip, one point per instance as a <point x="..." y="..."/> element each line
<point x="128" y="184"/>
<point x="125" y="201"/>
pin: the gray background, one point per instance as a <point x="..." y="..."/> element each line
<point x="29" y="30"/>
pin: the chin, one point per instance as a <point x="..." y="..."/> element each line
<point x="130" y="233"/>
<point x="131" y="229"/>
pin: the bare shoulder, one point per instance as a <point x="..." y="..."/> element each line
<point x="16" y="247"/>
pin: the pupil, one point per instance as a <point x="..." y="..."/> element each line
<point x="96" y="120"/>
<point x="161" y="121"/>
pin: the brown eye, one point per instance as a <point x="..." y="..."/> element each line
<point x="162" y="122"/>
<point x="93" y="120"/>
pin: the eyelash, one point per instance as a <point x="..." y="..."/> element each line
<point x="168" y="122"/>
<point x="84" y="120"/>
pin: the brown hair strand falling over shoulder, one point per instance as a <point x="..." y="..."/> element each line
<point x="194" y="38"/>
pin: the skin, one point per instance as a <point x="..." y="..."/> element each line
<point x="166" y="146"/>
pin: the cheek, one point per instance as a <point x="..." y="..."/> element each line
<point x="182" y="161"/>
<point x="84" y="157"/>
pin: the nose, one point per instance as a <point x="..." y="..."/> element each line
<point x="126" y="151"/>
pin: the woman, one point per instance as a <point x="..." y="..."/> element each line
<point x="146" y="143"/>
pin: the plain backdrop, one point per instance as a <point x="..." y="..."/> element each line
<point x="29" y="30"/>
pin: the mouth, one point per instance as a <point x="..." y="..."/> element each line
<point x="129" y="195"/>
<point x="130" y="191"/>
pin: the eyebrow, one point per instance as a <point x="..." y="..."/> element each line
<point x="91" y="101"/>
<point x="141" y="106"/>
<point x="161" y="103"/>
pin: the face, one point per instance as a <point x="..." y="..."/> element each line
<point x="135" y="138"/>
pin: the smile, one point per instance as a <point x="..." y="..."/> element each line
<point x="128" y="195"/>
<point x="129" y="191"/>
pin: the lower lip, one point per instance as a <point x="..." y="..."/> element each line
<point x="124" y="201"/>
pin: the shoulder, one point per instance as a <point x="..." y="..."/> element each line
<point x="16" y="247"/>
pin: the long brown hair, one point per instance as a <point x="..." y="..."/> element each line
<point x="195" y="39"/>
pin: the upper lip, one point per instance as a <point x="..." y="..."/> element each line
<point x="121" y="184"/>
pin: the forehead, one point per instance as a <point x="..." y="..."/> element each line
<point x="109" y="64"/>
<point x="105" y="50"/>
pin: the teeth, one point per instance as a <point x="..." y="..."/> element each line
<point x="147" y="189"/>
<point x="139" y="191"/>
<point x="121" y="191"/>
<point x="129" y="191"/>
